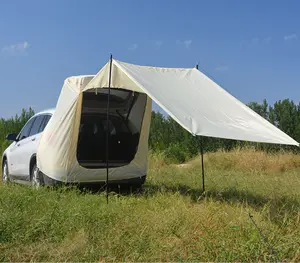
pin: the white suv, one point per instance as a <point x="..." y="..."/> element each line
<point x="19" y="159"/>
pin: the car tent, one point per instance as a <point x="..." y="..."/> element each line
<point x="192" y="99"/>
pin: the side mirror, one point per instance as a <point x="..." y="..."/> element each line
<point x="11" y="137"/>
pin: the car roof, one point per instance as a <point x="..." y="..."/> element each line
<point x="47" y="111"/>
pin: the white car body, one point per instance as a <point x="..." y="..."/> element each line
<point x="21" y="154"/>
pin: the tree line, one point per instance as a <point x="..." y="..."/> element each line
<point x="179" y="145"/>
<point x="169" y="138"/>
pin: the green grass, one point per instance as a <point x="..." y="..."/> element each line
<point x="169" y="221"/>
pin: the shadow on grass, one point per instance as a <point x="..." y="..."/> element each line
<point x="277" y="207"/>
<point x="123" y="190"/>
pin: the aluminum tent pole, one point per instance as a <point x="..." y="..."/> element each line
<point x="202" y="164"/>
<point x="107" y="126"/>
<point x="202" y="156"/>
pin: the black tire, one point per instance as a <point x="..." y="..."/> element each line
<point x="36" y="177"/>
<point x="5" y="174"/>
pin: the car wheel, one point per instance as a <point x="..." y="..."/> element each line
<point x="5" y="175"/>
<point x="36" y="180"/>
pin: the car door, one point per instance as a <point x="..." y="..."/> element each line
<point x="28" y="147"/>
<point x="16" y="150"/>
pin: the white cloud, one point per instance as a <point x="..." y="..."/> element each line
<point x="290" y="37"/>
<point x="158" y="43"/>
<point x="267" y="40"/>
<point x="16" y="49"/>
<point x="133" y="47"/>
<point x="222" y="68"/>
<point x="255" y="41"/>
<point x="261" y="40"/>
<point x="185" y="43"/>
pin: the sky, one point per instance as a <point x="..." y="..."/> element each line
<point x="250" y="48"/>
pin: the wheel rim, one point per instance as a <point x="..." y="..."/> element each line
<point x="5" y="174"/>
<point x="35" y="178"/>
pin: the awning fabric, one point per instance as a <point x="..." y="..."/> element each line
<point x="192" y="99"/>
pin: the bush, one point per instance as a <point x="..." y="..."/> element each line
<point x="176" y="153"/>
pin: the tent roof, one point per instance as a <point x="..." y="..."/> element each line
<point x="192" y="99"/>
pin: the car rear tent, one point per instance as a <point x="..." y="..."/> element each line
<point x="192" y="99"/>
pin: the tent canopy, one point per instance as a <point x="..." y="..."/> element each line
<point x="196" y="102"/>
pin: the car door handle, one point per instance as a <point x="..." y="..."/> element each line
<point x="18" y="144"/>
<point x="33" y="139"/>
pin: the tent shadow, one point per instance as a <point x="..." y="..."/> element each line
<point x="276" y="207"/>
<point x="122" y="190"/>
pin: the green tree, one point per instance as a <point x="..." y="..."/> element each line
<point x="13" y="125"/>
<point x="261" y="109"/>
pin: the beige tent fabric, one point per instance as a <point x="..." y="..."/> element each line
<point x="56" y="155"/>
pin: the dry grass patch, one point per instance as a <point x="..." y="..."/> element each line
<point x="250" y="159"/>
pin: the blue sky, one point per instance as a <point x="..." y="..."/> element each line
<point x="251" y="48"/>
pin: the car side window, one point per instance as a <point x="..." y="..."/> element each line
<point x="36" y="125"/>
<point x="45" y="122"/>
<point x="26" y="129"/>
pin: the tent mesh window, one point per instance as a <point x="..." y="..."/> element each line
<point x="126" y="113"/>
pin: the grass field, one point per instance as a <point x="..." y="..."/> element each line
<point x="169" y="220"/>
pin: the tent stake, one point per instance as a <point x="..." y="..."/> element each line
<point x="202" y="163"/>
<point x="107" y="126"/>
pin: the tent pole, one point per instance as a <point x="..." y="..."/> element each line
<point x="202" y="164"/>
<point x="202" y="157"/>
<point x="107" y="126"/>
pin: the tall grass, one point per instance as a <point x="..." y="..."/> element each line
<point x="170" y="220"/>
